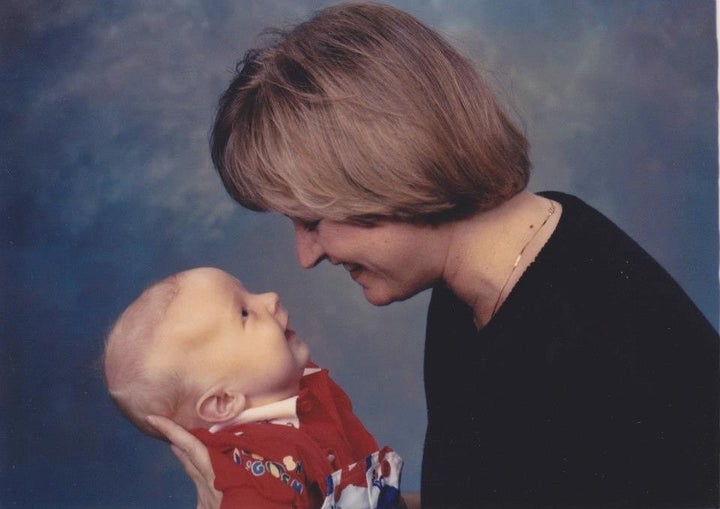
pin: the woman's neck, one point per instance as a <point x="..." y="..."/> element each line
<point x="484" y="248"/>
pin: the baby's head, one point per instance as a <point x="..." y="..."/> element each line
<point x="198" y="348"/>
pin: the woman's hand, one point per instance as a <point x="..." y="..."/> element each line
<point x="194" y="458"/>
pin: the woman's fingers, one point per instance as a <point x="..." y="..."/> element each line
<point x="190" y="448"/>
<point x="195" y="459"/>
<point x="187" y="463"/>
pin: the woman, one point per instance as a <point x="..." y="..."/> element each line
<point x="563" y="366"/>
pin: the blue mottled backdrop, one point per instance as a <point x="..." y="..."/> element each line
<point x="106" y="185"/>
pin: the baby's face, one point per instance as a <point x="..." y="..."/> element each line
<point x="218" y="331"/>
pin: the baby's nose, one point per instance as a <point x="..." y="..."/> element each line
<point x="271" y="301"/>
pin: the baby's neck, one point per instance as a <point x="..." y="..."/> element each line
<point x="279" y="412"/>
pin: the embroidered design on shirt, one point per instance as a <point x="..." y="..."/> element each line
<point x="258" y="466"/>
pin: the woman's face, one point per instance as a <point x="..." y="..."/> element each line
<point x="390" y="261"/>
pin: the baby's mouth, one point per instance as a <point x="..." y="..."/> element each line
<point x="352" y="267"/>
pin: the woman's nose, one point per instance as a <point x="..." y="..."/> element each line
<point x="309" y="251"/>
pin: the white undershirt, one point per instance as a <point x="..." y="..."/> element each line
<point x="279" y="412"/>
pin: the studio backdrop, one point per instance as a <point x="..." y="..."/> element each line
<point x="106" y="185"/>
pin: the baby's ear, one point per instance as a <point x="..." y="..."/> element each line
<point x="219" y="405"/>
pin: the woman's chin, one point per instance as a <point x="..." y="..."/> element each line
<point x="379" y="297"/>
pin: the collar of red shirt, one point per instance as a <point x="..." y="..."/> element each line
<point x="280" y="412"/>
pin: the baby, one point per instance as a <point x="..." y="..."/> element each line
<point x="198" y="348"/>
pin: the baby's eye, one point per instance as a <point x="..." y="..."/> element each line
<point x="244" y="313"/>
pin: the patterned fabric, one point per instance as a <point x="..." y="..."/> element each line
<point x="270" y="465"/>
<point x="372" y="484"/>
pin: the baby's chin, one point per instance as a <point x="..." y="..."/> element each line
<point x="303" y="355"/>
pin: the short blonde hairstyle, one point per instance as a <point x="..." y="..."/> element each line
<point x="362" y="113"/>
<point x="137" y="391"/>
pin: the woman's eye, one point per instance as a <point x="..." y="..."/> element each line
<point x="310" y="226"/>
<point x="306" y="224"/>
<point x="244" y="313"/>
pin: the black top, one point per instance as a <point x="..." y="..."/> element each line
<point x="595" y="385"/>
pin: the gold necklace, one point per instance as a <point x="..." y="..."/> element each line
<point x="551" y="211"/>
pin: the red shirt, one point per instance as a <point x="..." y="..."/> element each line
<point x="269" y="465"/>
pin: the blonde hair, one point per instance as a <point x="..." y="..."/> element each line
<point x="363" y="113"/>
<point x="136" y="390"/>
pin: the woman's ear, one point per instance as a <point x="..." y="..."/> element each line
<point x="219" y="405"/>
